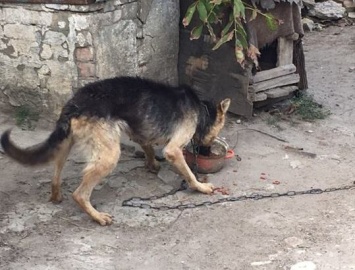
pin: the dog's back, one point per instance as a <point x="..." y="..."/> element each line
<point x="149" y="109"/>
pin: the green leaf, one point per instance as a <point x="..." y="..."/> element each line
<point x="238" y="9"/>
<point x="210" y="30"/>
<point x="239" y="53"/>
<point x="224" y="39"/>
<point x="241" y="39"/>
<point x="202" y="11"/>
<point x="212" y="18"/>
<point x="226" y="28"/>
<point x="253" y="15"/>
<point x="208" y="5"/>
<point x="189" y="14"/>
<point x="216" y="2"/>
<point x="271" y="22"/>
<point x="196" y="32"/>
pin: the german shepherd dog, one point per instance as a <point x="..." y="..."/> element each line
<point x="149" y="112"/>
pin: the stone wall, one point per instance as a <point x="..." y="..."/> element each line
<point x="47" y="51"/>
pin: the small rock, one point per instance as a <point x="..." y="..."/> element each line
<point x="318" y="27"/>
<point x="260" y="263"/>
<point x="351" y="15"/>
<point x="239" y="121"/>
<point x="308" y="24"/>
<point x="285" y="157"/>
<point x="351" y="69"/>
<point x="328" y="10"/>
<point x="270" y="187"/>
<point x="306" y="265"/>
<point x="43" y="181"/>
<point x="293" y="241"/>
<point x="295" y="164"/>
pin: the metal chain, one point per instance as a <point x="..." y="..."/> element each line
<point x="139" y="202"/>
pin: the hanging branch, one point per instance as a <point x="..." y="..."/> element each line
<point x="212" y="12"/>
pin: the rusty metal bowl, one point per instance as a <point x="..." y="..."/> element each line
<point x="212" y="163"/>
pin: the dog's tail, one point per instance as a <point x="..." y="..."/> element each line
<point x="40" y="153"/>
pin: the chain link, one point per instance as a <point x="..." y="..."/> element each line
<point x="139" y="202"/>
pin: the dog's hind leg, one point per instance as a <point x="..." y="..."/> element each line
<point x="61" y="157"/>
<point x="151" y="163"/>
<point x="173" y="153"/>
<point x="103" y="141"/>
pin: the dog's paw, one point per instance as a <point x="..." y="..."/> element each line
<point x="206" y="188"/>
<point x="56" y="198"/>
<point x="153" y="167"/>
<point x="103" y="218"/>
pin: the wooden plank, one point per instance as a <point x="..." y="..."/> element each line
<point x="279" y="91"/>
<point x="276" y="82"/>
<point x="260" y="97"/>
<point x="272" y="73"/>
<point x="284" y="51"/>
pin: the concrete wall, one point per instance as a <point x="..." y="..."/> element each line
<point x="47" y="51"/>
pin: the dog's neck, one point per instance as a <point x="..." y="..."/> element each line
<point x="206" y="118"/>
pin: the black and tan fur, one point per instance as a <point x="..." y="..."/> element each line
<point x="149" y="112"/>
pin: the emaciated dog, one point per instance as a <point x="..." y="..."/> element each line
<point x="149" y="112"/>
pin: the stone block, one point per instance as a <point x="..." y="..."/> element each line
<point x="116" y="50"/>
<point x="80" y="22"/>
<point x="62" y="77"/>
<point x="44" y="70"/>
<point x="130" y="11"/>
<point x="155" y="50"/>
<point x="20" y="15"/>
<point x="22" y="47"/>
<point x="54" y="38"/>
<point x="20" y="31"/>
<point x="84" y="54"/>
<point x="60" y="22"/>
<point x="46" y="52"/>
<point x="86" y="69"/>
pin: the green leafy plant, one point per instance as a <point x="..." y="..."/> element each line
<point x="231" y="15"/>
<point x="307" y="109"/>
<point x="25" y="117"/>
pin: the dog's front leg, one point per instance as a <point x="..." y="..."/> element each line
<point x="174" y="155"/>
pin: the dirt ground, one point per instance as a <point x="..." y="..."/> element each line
<point x="300" y="232"/>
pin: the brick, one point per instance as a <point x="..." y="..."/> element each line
<point x="86" y="70"/>
<point x="85" y="54"/>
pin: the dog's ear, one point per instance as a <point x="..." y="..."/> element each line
<point x="224" y="105"/>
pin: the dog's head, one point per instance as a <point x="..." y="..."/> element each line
<point x="218" y="122"/>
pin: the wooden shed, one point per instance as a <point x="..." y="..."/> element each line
<point x="216" y="74"/>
